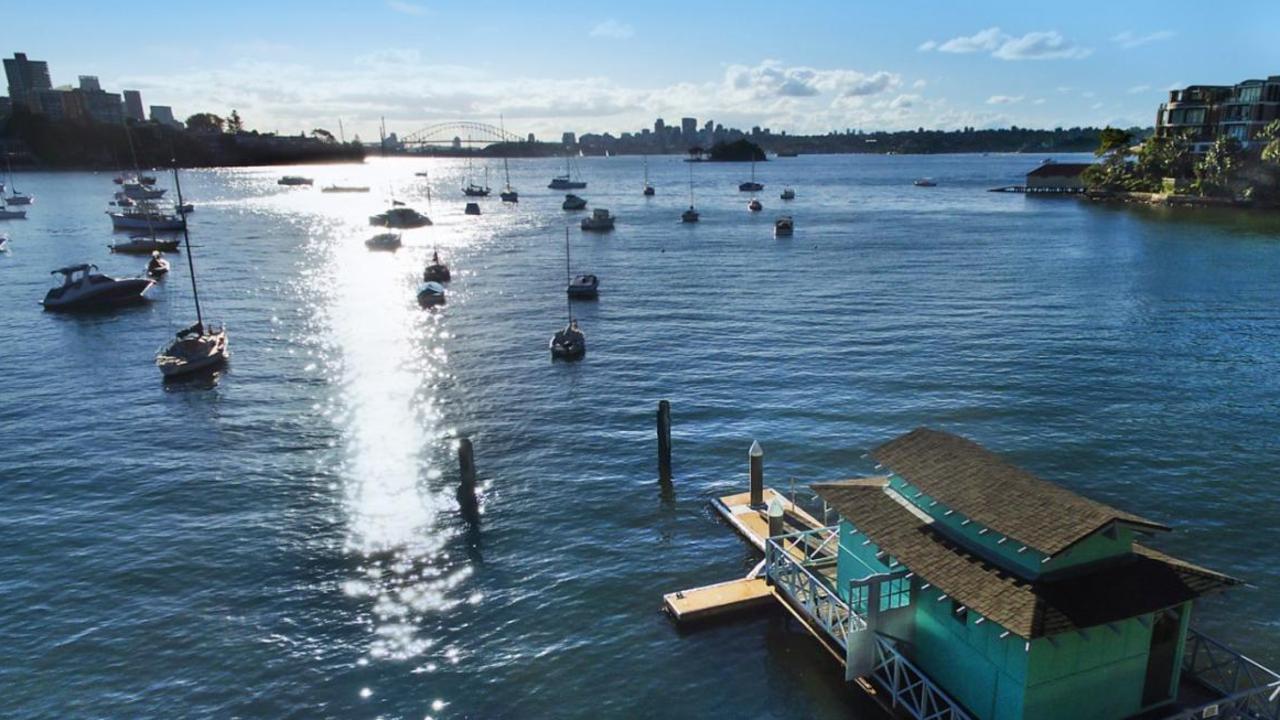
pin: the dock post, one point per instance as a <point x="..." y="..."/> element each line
<point x="664" y="441"/>
<point x="756" y="454"/>
<point x="467" y="481"/>
<point x="777" y="514"/>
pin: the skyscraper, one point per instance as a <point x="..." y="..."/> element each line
<point x="133" y="106"/>
<point x="689" y="128"/>
<point x="89" y="83"/>
<point x="26" y="79"/>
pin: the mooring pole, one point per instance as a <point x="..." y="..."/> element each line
<point x="756" y="454"/>
<point x="776" y="516"/>
<point x="467" y="481"/>
<point x="664" y="441"/>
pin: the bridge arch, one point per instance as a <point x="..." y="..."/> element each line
<point x="465" y="132"/>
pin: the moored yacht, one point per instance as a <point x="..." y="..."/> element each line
<point x="788" y="194"/>
<point x="345" y="189"/>
<point x="569" y="343"/>
<point x="472" y="209"/>
<point x="584" y="287"/>
<point x="143" y="244"/>
<point x="83" y="288"/>
<point x="157" y="267"/>
<point x="924" y="182"/>
<point x="138" y="191"/>
<point x="384" y="241"/>
<point x="573" y="202"/>
<point x="146" y="216"/>
<point x="754" y="205"/>
<point x="431" y="293"/>
<point x="437" y="271"/>
<point x="566" y="181"/>
<point x="294" y="180"/>
<point x="599" y="221"/>
<point x="752" y="185"/>
<point x="400" y="217"/>
<point x="784" y="226"/>
<point x="7" y="214"/>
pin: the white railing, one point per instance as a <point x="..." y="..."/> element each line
<point x="910" y="689"/>
<point x="788" y="559"/>
<point x="1249" y="690"/>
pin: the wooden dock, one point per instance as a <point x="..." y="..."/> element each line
<point x="751" y="591"/>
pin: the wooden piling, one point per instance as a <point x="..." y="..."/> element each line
<point x="756" y="455"/>
<point x="777" y="516"/>
<point x="467" y="481"/>
<point x="664" y="441"/>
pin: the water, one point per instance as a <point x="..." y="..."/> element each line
<point x="286" y="542"/>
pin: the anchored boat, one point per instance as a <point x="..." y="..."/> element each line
<point x="600" y="221"/>
<point x="83" y="288"/>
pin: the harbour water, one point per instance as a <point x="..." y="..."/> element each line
<point x="285" y="542"/>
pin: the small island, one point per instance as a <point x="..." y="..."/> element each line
<point x="737" y="151"/>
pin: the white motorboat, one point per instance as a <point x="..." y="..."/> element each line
<point x="788" y="194"/>
<point x="784" y="226"/>
<point x="569" y="343"/>
<point x="924" y="182"/>
<point x="600" y="221"/>
<point x="400" y="217"/>
<point x="573" y="202"/>
<point x="430" y="293"/>
<point x="198" y="348"/>
<point x="146" y="216"/>
<point x="584" y="287"/>
<point x="437" y="271"/>
<point x="754" y="205"/>
<point x="294" y="180"/>
<point x="142" y="244"/>
<point x="138" y="191"/>
<point x="384" y="241"/>
<point x="157" y="267"/>
<point x="345" y="189"/>
<point x="85" y="289"/>
<point x="752" y="185"/>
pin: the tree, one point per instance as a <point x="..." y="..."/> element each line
<point x="1216" y="170"/>
<point x="1163" y="156"/>
<point x="322" y="134"/>
<point x="1271" y="135"/>
<point x="234" y="123"/>
<point x="205" y="122"/>
<point x="1111" y="140"/>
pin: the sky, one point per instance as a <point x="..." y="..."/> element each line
<point x="798" y="66"/>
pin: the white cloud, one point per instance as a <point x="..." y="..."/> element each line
<point x="919" y="84"/>
<point x="1129" y="39"/>
<point x="1138" y="89"/>
<point x="771" y="79"/>
<point x="1038" y="101"/>
<point x="1096" y="106"/>
<point x="1041" y="45"/>
<point x="612" y="29"/>
<point x="1004" y="99"/>
<point x="408" y="8"/>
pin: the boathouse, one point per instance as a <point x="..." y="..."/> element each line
<point x="1056" y="177"/>
<point x="966" y="587"/>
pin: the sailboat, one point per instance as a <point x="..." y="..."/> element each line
<point x="751" y="186"/>
<point x="690" y="215"/>
<point x="569" y="343"/>
<point x="196" y="348"/>
<point x="648" y="189"/>
<point x="508" y="193"/>
<point x="472" y="189"/>
<point x="15" y="197"/>
<point x="566" y="181"/>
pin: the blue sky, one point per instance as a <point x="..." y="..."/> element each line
<point x="797" y="66"/>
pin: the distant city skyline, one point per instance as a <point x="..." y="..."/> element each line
<point x="817" y="67"/>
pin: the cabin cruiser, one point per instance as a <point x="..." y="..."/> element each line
<point x="689" y="216"/>
<point x="140" y="244"/>
<point x="472" y="209"/>
<point x="754" y="205"/>
<point x="157" y="267"/>
<point x="83" y="288"/>
<point x="784" y="226"/>
<point x="599" y="221"/>
<point x="294" y="180"/>
<point x="144" y="179"/>
<point x="345" y="189"/>
<point x="400" y="217"/>
<point x="138" y="191"/>
<point x="430" y="293"/>
<point x="788" y="194"/>
<point x="193" y="350"/>
<point x="474" y="190"/>
<point x="436" y="271"/>
<point x="184" y="208"/>
<point x="573" y="202"/>
<point x="584" y="287"/>
<point x="384" y="241"/>
<point x="569" y="343"/>
<point x="145" y="216"/>
<point x="924" y="182"/>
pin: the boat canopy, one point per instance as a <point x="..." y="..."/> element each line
<point x="72" y="269"/>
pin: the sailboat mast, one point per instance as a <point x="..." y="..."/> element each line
<point x="186" y="239"/>
<point x="506" y="169"/>
<point x="567" y="277"/>
<point x="137" y="174"/>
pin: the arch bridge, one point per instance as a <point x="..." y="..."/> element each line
<point x="460" y="132"/>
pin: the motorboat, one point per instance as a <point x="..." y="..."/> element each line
<point x="200" y="347"/>
<point x="345" y="189"/>
<point x="423" y="173"/>
<point x="509" y="195"/>
<point x="584" y="287"/>
<point x="83" y="288"/>
<point x="400" y="217"/>
<point x="788" y="194"/>
<point x="7" y="214"/>
<point x="569" y="343"/>
<point x="754" y="205"/>
<point x="924" y="182"/>
<point x="751" y="185"/>
<point x="143" y="244"/>
<point x="689" y="216"/>
<point x="599" y="221"/>
<point x="566" y="181"/>
<point x="430" y="293"/>
<point x="193" y="350"/>
<point x="184" y="208"/>
<point x="146" y="217"/>
<point x="384" y="241"/>
<point x="472" y="209"/>
<point x="147" y="179"/>
<point x="787" y="153"/>
<point x="784" y="226"/>
<point x="573" y="202"/>
<point x="157" y="267"/>
<point x="138" y="191"/>
<point x="437" y="271"/>
<point x="294" y="180"/>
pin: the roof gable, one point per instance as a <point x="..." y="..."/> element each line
<point x="982" y="486"/>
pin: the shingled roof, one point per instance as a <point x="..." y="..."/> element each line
<point x="1146" y="582"/>
<point x="982" y="486"/>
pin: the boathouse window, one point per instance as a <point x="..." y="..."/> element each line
<point x="895" y="593"/>
<point x="959" y="613"/>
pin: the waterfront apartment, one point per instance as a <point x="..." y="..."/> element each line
<point x="1204" y="113"/>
